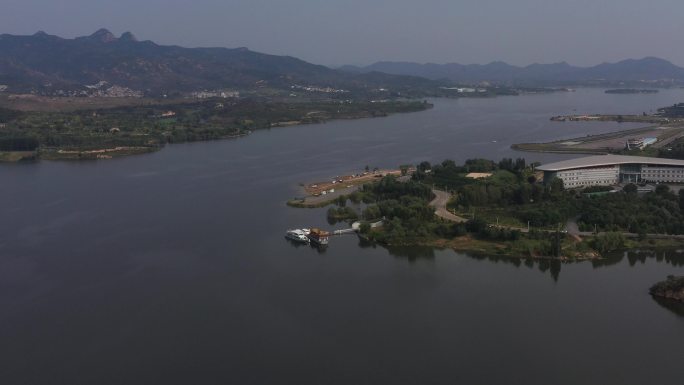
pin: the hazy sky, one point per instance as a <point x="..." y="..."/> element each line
<point x="335" y="32"/>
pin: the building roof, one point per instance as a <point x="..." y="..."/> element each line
<point x="608" y="160"/>
<point x="479" y="175"/>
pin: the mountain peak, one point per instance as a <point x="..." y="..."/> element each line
<point x="102" y="35"/>
<point x="42" y="35"/>
<point x="128" y="36"/>
<point x="652" y="69"/>
<point x="654" y="59"/>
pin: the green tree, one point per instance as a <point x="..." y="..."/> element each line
<point x="662" y="189"/>
<point x="630" y="188"/>
<point x="681" y="199"/>
<point x="424" y="166"/>
<point x="608" y="242"/>
<point x="556" y="187"/>
<point x="341" y="201"/>
<point x="365" y="228"/>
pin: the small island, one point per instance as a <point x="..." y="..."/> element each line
<point x="670" y="289"/>
<point x="631" y="91"/>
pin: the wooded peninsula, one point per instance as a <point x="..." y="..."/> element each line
<point x="502" y="208"/>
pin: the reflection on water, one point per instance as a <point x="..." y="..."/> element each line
<point x="671" y="305"/>
<point x="413" y="253"/>
<point x="320" y="248"/>
<point x="366" y="244"/>
<point x="553" y="266"/>
<point x="672" y="257"/>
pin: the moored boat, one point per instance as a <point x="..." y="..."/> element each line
<point x="297" y="236"/>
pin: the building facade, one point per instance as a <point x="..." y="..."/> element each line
<point x="608" y="170"/>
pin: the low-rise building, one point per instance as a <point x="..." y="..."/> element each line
<point x="607" y="170"/>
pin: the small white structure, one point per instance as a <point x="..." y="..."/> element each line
<point x="639" y="143"/>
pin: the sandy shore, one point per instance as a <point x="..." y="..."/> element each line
<point x="319" y="194"/>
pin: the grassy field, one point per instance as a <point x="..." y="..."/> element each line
<point x="16" y="156"/>
<point x="494" y="215"/>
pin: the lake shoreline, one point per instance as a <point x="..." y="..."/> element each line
<point x="153" y="143"/>
<point x="472" y="245"/>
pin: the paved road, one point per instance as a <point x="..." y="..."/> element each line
<point x="634" y="235"/>
<point x="440" y="202"/>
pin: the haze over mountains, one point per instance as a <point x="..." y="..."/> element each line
<point x="647" y="70"/>
<point x="46" y="62"/>
<point x="49" y="64"/>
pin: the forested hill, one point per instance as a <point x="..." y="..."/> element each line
<point x="649" y="70"/>
<point x="45" y="63"/>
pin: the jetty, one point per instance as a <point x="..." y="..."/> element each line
<point x="356" y="227"/>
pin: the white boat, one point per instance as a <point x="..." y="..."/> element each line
<point x="297" y="236"/>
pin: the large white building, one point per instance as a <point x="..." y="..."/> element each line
<point x="606" y="170"/>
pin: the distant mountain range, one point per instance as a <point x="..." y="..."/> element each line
<point x="123" y="66"/>
<point x="648" y="70"/>
<point x="46" y="63"/>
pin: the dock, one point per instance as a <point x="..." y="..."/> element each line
<point x="356" y="226"/>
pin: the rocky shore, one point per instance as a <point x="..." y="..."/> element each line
<point x="672" y="289"/>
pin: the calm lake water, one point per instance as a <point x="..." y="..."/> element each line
<point x="172" y="268"/>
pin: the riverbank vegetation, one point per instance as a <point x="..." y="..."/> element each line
<point x="341" y="214"/>
<point x="146" y="127"/>
<point x="508" y="211"/>
<point x="408" y="219"/>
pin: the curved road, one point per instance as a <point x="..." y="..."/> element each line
<point x="442" y="198"/>
<point x="440" y="202"/>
